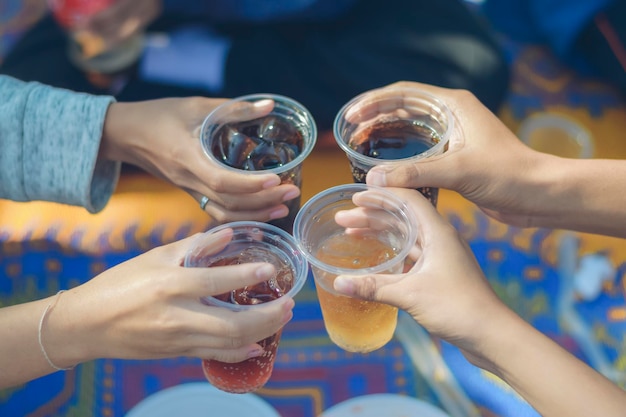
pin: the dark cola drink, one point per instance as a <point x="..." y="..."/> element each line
<point x="258" y="144"/>
<point x="397" y="139"/>
<point x="261" y="144"/>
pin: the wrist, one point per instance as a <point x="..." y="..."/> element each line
<point x="119" y="134"/>
<point x="66" y="332"/>
<point x="541" y="186"/>
<point x="495" y="341"/>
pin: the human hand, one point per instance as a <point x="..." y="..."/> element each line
<point x="485" y="162"/>
<point x="445" y="291"/>
<point x="162" y="137"/>
<point x="149" y="307"/>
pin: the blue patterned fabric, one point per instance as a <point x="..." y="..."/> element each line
<point x="525" y="267"/>
<point x="311" y="374"/>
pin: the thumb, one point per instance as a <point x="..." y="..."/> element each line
<point x="443" y="170"/>
<point x="439" y="171"/>
<point x="368" y="287"/>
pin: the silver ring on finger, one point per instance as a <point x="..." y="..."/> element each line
<point x="204" y="201"/>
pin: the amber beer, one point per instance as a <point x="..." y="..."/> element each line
<point x="350" y="245"/>
<point x="352" y="324"/>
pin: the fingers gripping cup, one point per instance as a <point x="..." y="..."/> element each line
<point x="275" y="141"/>
<point x="392" y="125"/>
<point x="373" y="234"/>
<point x="243" y="242"/>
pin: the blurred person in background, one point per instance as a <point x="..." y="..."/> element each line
<point x="319" y="52"/>
<point x="587" y="35"/>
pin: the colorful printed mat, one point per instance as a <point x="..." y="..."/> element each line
<point x="569" y="285"/>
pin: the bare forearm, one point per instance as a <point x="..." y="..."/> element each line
<point x="585" y="195"/>
<point x="21" y="356"/>
<point x="552" y="380"/>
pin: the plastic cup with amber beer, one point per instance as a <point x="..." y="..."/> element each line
<point x="276" y="141"/>
<point x="355" y="229"/>
<point x="393" y="125"/>
<point x="244" y="242"/>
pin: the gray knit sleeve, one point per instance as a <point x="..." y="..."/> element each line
<point x="49" y="142"/>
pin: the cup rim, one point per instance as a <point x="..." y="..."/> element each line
<point x="435" y="150"/>
<point x="406" y="211"/>
<point x="306" y="150"/>
<point x="300" y="276"/>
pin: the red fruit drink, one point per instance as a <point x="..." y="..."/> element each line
<point x="246" y="376"/>
<point x="252" y="373"/>
<point x="239" y="243"/>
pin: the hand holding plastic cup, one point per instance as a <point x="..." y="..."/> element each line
<point x="243" y="242"/>
<point x="355" y="229"/>
<point x="393" y="125"/>
<point x="277" y="141"/>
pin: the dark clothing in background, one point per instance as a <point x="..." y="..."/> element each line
<point x="587" y="35"/>
<point x="321" y="63"/>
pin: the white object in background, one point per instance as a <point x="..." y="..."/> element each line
<point x="593" y="272"/>
<point x="572" y="323"/>
<point x="201" y="399"/>
<point x="557" y="135"/>
<point x="383" y="405"/>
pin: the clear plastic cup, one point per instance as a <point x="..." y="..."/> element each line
<point x="392" y="125"/>
<point x="276" y="142"/>
<point x="379" y="245"/>
<point x="244" y="242"/>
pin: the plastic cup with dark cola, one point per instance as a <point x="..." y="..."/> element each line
<point x="277" y="141"/>
<point x="393" y="125"/>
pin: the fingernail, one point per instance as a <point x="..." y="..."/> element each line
<point x="291" y="195"/>
<point x="287" y="316"/>
<point x="279" y="213"/>
<point x="263" y="103"/>
<point x="272" y="182"/>
<point x="255" y="352"/>
<point x="344" y="285"/>
<point x="266" y="271"/>
<point x="377" y="177"/>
